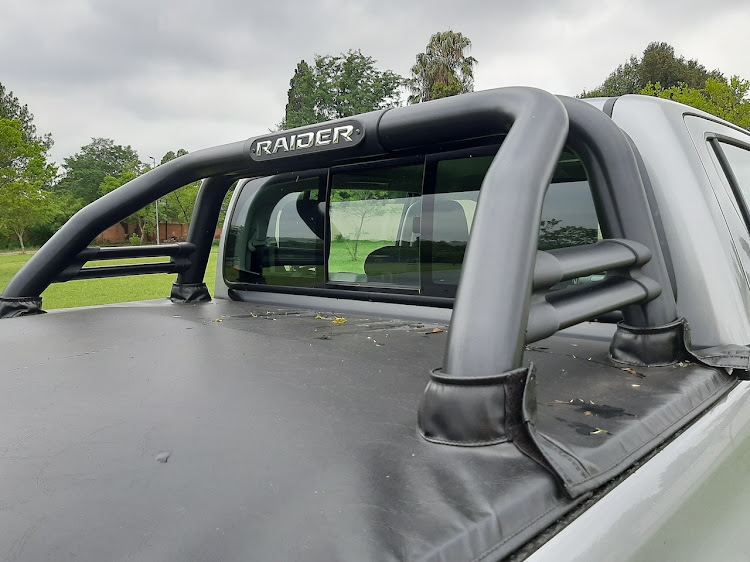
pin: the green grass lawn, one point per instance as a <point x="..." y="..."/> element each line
<point x="90" y="292"/>
<point x="341" y="255"/>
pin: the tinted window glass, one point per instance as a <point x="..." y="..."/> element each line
<point x="277" y="234"/>
<point x="400" y="227"/>
<point x="372" y="215"/>
<point x="739" y="162"/>
<point x="568" y="216"/>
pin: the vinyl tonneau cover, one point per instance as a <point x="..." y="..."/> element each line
<point x="289" y="437"/>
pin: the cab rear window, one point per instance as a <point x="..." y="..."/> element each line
<point x="389" y="227"/>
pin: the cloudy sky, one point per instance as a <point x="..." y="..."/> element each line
<point x="167" y="75"/>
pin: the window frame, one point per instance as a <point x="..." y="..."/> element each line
<point x="715" y="140"/>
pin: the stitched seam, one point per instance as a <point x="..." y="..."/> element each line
<point x="575" y="463"/>
<point x="464" y="443"/>
<point x="489" y="551"/>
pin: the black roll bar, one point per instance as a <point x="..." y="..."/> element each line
<point x="565" y="264"/>
<point x="489" y="319"/>
<point x="621" y="201"/>
<point x="76" y="234"/>
<point x="203" y="225"/>
<point x="621" y="260"/>
<point x="179" y="253"/>
<point x="478" y="343"/>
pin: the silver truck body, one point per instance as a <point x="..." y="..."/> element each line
<point x="691" y="500"/>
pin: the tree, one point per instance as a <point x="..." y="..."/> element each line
<point x="443" y="69"/>
<point x="24" y="175"/>
<point x="86" y="170"/>
<point x="725" y="99"/>
<point x="338" y="86"/>
<point x="145" y="218"/>
<point x="11" y="108"/>
<point x="625" y="79"/>
<point x="301" y="104"/>
<point x="175" y="207"/>
<point x="658" y="64"/>
<point x="179" y="204"/>
<point x="361" y="205"/>
<point x="552" y="236"/>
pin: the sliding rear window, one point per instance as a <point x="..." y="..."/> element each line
<point x="398" y="226"/>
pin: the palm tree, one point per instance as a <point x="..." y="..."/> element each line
<point x="443" y="69"/>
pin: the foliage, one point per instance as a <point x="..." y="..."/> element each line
<point x="362" y="205"/>
<point x="178" y="206"/>
<point x="301" y="107"/>
<point x="11" y="108"/>
<point x="552" y="236"/>
<point x="64" y="207"/>
<point x="24" y="176"/>
<point x="658" y="64"/>
<point x="443" y="69"/>
<point x="171" y="155"/>
<point x="625" y="79"/>
<point x="135" y="240"/>
<point x="144" y="219"/>
<point x="338" y="86"/>
<point x="86" y="170"/>
<point x="727" y="100"/>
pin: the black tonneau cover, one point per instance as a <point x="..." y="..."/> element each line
<point x="232" y="431"/>
<point x="288" y="437"/>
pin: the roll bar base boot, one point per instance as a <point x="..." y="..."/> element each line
<point x="473" y="412"/>
<point x="11" y="307"/>
<point x="184" y="293"/>
<point x="670" y="344"/>
<point x="652" y="346"/>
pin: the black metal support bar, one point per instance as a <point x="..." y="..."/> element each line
<point x="203" y="225"/>
<point x="119" y="271"/>
<point x="564" y="264"/>
<point x="179" y="253"/>
<point x="621" y="200"/>
<point x="127" y="252"/>
<point x="562" y="309"/>
<point x="489" y="319"/>
<point x="86" y="224"/>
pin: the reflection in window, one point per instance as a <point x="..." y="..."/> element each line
<point x="568" y="216"/>
<point x="372" y="214"/>
<point x="277" y="235"/>
<point x="382" y="230"/>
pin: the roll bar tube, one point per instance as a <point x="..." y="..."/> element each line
<point x="491" y="309"/>
<point x="621" y="201"/>
<point x="492" y="305"/>
<point x="76" y="234"/>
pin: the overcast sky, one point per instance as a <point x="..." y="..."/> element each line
<point x="167" y="75"/>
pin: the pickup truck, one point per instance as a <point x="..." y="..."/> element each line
<point x="369" y="382"/>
